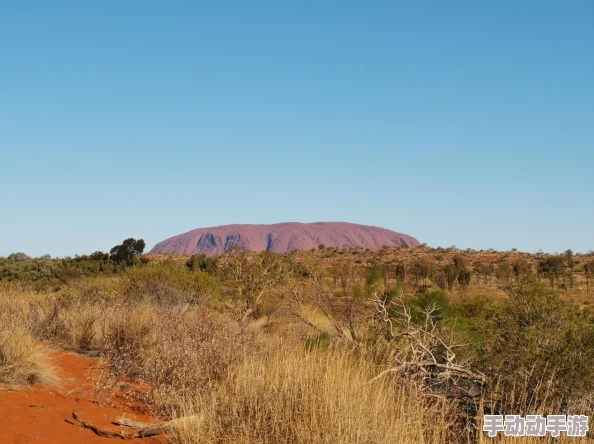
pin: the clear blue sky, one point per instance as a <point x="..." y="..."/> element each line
<point x="462" y="123"/>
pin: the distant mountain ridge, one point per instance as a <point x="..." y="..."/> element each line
<point x="281" y="238"/>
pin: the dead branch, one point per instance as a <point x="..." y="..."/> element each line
<point x="447" y="371"/>
<point x="126" y="422"/>
<point x="325" y="303"/>
<point x="100" y="432"/>
<point x="429" y="357"/>
<point x="306" y="322"/>
<point x="145" y="429"/>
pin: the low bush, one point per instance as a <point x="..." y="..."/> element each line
<point x="168" y="283"/>
<point x="531" y="343"/>
<point x="430" y="300"/>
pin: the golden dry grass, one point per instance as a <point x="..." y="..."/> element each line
<point x="23" y="359"/>
<point x="290" y="396"/>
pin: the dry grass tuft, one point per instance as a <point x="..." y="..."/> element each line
<point x="23" y="360"/>
<point x="290" y="396"/>
<point x="174" y="351"/>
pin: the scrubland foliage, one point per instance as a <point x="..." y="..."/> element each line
<point x="318" y="347"/>
<point x="169" y="283"/>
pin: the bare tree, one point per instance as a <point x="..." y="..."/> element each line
<point x="252" y="275"/>
<point x="340" y="311"/>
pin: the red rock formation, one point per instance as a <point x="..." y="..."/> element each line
<point x="281" y="238"/>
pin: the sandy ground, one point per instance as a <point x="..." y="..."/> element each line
<point x="44" y="415"/>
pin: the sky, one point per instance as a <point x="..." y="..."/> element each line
<point x="461" y="123"/>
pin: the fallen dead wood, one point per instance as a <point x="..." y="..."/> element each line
<point x="100" y="432"/>
<point x="127" y="422"/>
<point x="145" y="429"/>
<point x="447" y="371"/>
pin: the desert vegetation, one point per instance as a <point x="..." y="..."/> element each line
<point x="332" y="345"/>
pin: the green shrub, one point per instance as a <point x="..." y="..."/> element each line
<point x="203" y="263"/>
<point x="375" y="279"/>
<point x="169" y="282"/>
<point x="28" y="269"/>
<point x="534" y="340"/>
<point x="430" y="300"/>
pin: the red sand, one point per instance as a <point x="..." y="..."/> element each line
<point x="22" y="420"/>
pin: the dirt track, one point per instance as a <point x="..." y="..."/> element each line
<point x="41" y="414"/>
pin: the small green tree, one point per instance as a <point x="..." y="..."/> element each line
<point x="460" y="263"/>
<point x="440" y="279"/>
<point x="570" y="259"/>
<point x="451" y="274"/>
<point x="127" y="252"/>
<point x="464" y="278"/>
<point x="99" y="256"/>
<point x="589" y="272"/>
<point x="203" y="263"/>
<point x="375" y="278"/>
<point x="521" y="270"/>
<point x="401" y="272"/>
<point x="551" y="267"/>
<point x="422" y="269"/>
<point x="19" y="257"/>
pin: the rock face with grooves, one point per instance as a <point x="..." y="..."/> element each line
<point x="281" y="238"/>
